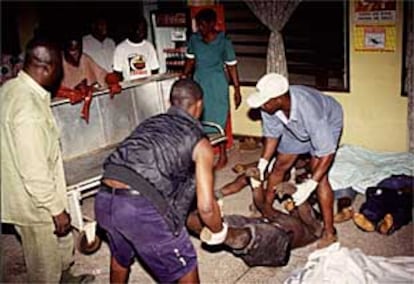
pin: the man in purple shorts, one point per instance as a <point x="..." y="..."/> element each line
<point x="296" y="120"/>
<point x="148" y="185"/>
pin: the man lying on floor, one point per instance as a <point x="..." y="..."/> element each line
<point x="262" y="241"/>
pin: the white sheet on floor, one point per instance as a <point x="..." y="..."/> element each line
<point x="357" y="167"/>
<point x="340" y="265"/>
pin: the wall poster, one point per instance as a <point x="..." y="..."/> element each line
<point x="374" y="25"/>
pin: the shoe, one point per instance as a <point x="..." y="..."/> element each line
<point x="386" y="224"/>
<point x="363" y="223"/>
<point x="343" y="216"/>
<point x="68" y="277"/>
<point x="327" y="239"/>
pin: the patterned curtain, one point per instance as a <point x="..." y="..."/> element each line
<point x="409" y="65"/>
<point x="274" y="14"/>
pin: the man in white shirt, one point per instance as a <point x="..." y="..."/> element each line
<point x="135" y="57"/>
<point x="98" y="45"/>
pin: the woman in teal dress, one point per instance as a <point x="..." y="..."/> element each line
<point x="209" y="54"/>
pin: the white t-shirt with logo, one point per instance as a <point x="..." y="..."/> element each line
<point x="135" y="60"/>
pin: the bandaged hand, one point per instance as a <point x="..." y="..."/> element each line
<point x="210" y="238"/>
<point x="303" y="191"/>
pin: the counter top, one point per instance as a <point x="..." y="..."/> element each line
<point x="124" y="85"/>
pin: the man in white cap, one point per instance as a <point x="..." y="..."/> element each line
<point x="298" y="119"/>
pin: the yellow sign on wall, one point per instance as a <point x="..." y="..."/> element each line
<point x="375" y="38"/>
<point x="374" y="25"/>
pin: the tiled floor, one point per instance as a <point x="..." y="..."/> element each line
<point x="222" y="266"/>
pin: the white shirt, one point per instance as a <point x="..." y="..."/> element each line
<point x="135" y="60"/>
<point x="101" y="52"/>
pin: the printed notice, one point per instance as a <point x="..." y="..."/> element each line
<point x="375" y="12"/>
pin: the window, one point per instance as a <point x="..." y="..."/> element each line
<point x="316" y="47"/>
<point x="250" y="38"/>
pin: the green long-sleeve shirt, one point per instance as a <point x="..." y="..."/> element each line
<point x="33" y="186"/>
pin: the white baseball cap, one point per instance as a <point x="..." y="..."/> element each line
<point x="270" y="86"/>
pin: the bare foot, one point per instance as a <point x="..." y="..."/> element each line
<point x="326" y="240"/>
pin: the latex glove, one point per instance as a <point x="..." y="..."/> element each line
<point x="255" y="183"/>
<point x="262" y="165"/>
<point x="210" y="238"/>
<point x="303" y="191"/>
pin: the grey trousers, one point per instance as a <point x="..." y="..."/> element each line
<point x="45" y="254"/>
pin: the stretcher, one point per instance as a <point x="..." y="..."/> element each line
<point x="85" y="146"/>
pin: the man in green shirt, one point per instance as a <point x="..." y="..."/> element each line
<point x="33" y="189"/>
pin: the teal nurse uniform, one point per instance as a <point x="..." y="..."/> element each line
<point x="210" y="59"/>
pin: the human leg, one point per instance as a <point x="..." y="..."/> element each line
<point x="326" y="199"/>
<point x="190" y="277"/>
<point x="43" y="254"/>
<point x="118" y="273"/>
<point x="235" y="186"/>
<point x="168" y="256"/>
<point x="222" y="160"/>
<point x="121" y="252"/>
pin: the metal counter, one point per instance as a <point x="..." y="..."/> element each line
<point x="110" y="120"/>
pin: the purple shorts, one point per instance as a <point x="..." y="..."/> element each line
<point x="132" y="224"/>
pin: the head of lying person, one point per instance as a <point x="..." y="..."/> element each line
<point x="187" y="95"/>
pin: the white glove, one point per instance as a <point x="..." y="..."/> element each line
<point x="262" y="165"/>
<point x="210" y="238"/>
<point x="255" y="183"/>
<point x="303" y="191"/>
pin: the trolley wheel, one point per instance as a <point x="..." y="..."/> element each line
<point x="88" y="248"/>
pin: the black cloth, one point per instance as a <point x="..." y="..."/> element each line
<point x="269" y="245"/>
<point x="160" y="152"/>
<point x="393" y="195"/>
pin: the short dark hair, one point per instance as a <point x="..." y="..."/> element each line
<point x="185" y="93"/>
<point x="206" y="15"/>
<point x="33" y="58"/>
<point x="69" y="37"/>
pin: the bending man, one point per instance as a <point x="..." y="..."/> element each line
<point x="148" y="186"/>
<point x="296" y="120"/>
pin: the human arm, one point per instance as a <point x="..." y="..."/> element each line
<point x="272" y="130"/>
<point x="230" y="60"/>
<point x="153" y="63"/>
<point x="36" y="146"/>
<point x="188" y="68"/>
<point x="189" y="60"/>
<point x="320" y="167"/>
<point x="234" y="76"/>
<point x="117" y="65"/>
<point x="207" y="206"/>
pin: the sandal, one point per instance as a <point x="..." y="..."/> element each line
<point x="363" y="223"/>
<point x="386" y="225"/>
<point x="344" y="215"/>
